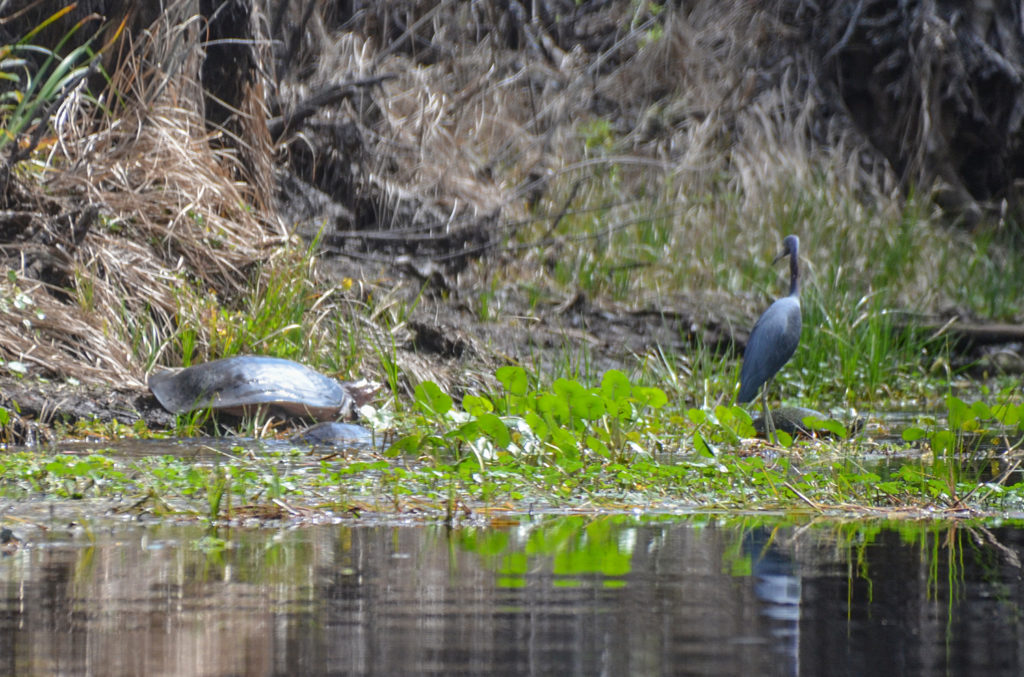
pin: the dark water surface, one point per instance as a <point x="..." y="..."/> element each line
<point x="548" y="595"/>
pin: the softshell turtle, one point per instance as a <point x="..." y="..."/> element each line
<point x="791" y="420"/>
<point x="332" y="433"/>
<point x="248" y="384"/>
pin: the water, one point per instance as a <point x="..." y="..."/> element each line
<point x="520" y="595"/>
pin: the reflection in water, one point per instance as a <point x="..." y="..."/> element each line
<point x="577" y="595"/>
<point x="777" y="586"/>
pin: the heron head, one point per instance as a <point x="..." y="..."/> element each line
<point x="790" y="247"/>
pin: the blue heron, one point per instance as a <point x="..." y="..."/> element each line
<point x="774" y="338"/>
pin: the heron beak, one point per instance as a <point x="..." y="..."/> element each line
<point x="783" y="254"/>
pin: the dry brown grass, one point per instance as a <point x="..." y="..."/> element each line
<point x="171" y="215"/>
<point x="715" y="130"/>
<point x="700" y="99"/>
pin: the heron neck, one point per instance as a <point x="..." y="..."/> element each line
<point x="794" y="274"/>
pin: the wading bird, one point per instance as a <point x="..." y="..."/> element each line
<point x="774" y="338"/>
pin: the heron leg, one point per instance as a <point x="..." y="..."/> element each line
<point x="769" y="424"/>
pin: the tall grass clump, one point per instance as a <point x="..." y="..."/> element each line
<point x="274" y="316"/>
<point x="31" y="90"/>
<point x="168" y="217"/>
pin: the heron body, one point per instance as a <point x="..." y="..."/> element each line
<point x="775" y="335"/>
<point x="773" y="340"/>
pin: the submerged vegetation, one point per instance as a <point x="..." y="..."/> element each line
<point x="652" y="212"/>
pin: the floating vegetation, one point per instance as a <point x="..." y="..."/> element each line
<point x="613" y="446"/>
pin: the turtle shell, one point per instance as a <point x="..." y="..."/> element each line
<point x="336" y="434"/>
<point x="249" y="384"/>
<point x="791" y="420"/>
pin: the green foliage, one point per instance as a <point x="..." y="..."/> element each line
<point x="286" y="314"/>
<point x="958" y="446"/>
<point x="431" y="400"/>
<point x="72" y="476"/>
<point x="566" y="445"/>
<point x="269" y="322"/>
<point x="597" y="134"/>
<point x="969" y="424"/>
<point x="556" y="425"/>
<point x="32" y="92"/>
<point x="828" y="425"/>
<point x="725" y="425"/>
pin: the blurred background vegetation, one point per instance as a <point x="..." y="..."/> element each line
<point x="426" y="190"/>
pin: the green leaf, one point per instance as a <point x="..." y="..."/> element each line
<point x="586" y="405"/>
<point x="598" y="447"/>
<point x="697" y="416"/>
<point x="553" y="408"/>
<point x="1007" y="414"/>
<point x="910" y="473"/>
<point x="467" y="432"/>
<point x="615" y="385"/>
<point x="612" y="408"/>
<point x="891" y="488"/>
<point x="724" y="414"/>
<point x="744" y="424"/>
<point x="943" y="442"/>
<point x="538" y="425"/>
<point x="566" y="442"/>
<point x="513" y="379"/>
<point x="827" y="424"/>
<point x="431" y="399"/>
<point x="981" y="411"/>
<point x="410" y="444"/>
<point x="476" y="406"/>
<point x="567" y="389"/>
<point x="959" y="413"/>
<point x="650" y="396"/>
<point x="494" y="428"/>
<point x="913" y="434"/>
<point x="701" y="446"/>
